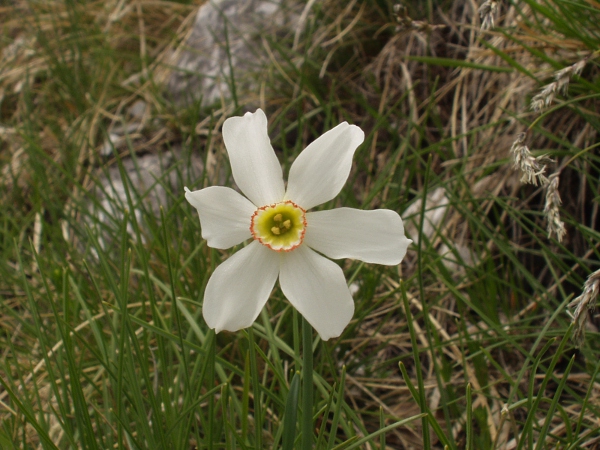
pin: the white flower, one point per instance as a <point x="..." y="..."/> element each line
<point x="285" y="236"/>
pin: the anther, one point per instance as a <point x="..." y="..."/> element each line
<point x="278" y="218"/>
<point x="276" y="230"/>
<point x="287" y="224"/>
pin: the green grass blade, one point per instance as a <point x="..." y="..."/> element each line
<point x="291" y="412"/>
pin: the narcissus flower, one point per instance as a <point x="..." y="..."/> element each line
<point x="285" y="235"/>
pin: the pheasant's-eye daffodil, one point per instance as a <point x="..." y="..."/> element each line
<point x="285" y="235"/>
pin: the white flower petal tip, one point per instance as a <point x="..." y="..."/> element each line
<point x="370" y="236"/>
<point x="255" y="167"/>
<point x="321" y="170"/>
<point x="224" y="215"/>
<point x="239" y="288"/>
<point x="316" y="287"/>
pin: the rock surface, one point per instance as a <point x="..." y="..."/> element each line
<point x="226" y="35"/>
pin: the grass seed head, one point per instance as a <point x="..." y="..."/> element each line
<point x="583" y="305"/>
<point x="551" y="208"/>
<point x="560" y="83"/>
<point x="486" y="13"/>
<point x="406" y="23"/>
<point x="532" y="168"/>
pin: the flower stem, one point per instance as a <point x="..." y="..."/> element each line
<point x="258" y="423"/>
<point x="307" y="386"/>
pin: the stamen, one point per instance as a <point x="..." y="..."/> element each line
<point x="278" y="218"/>
<point x="276" y="230"/>
<point x="287" y="224"/>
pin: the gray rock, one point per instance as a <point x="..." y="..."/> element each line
<point x="226" y="35"/>
<point x="150" y="180"/>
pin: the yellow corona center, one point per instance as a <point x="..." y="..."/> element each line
<point x="280" y="226"/>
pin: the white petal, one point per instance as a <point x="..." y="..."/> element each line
<point x="317" y="288"/>
<point x="239" y="288"/>
<point x="321" y="170"/>
<point x="254" y="164"/>
<point x="371" y="236"/>
<point x="224" y="215"/>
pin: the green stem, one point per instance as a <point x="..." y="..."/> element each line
<point x="258" y="423"/>
<point x="307" y="386"/>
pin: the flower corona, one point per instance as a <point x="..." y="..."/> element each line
<point x="280" y="226"/>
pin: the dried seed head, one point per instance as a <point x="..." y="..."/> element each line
<point x="578" y="66"/>
<point x="563" y="76"/>
<point x="551" y="209"/>
<point x="406" y="23"/>
<point x="583" y="305"/>
<point x="545" y="97"/>
<point x="532" y="169"/>
<point x="560" y="83"/>
<point x="486" y="13"/>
